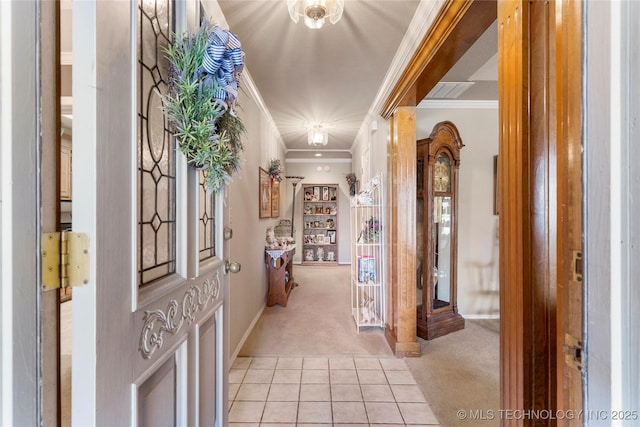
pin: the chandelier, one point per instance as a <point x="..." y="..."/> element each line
<point x="317" y="136"/>
<point x="315" y="12"/>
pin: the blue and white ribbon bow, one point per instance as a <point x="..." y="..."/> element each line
<point x="223" y="61"/>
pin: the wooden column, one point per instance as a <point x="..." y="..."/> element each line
<point x="513" y="167"/>
<point x="401" y="327"/>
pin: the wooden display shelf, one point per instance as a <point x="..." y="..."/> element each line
<point x="281" y="281"/>
<point x="320" y="224"/>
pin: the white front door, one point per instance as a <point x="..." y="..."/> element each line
<point x="150" y="340"/>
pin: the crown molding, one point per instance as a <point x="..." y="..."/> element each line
<point x="318" y="160"/>
<point x="251" y="89"/>
<point x="315" y="150"/>
<point x="442" y="104"/>
<point x="426" y="13"/>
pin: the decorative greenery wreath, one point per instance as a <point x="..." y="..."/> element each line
<point x="205" y="68"/>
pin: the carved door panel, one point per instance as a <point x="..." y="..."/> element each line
<point x="150" y="341"/>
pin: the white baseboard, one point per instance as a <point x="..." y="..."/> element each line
<point x="234" y="355"/>
<point x="480" y="316"/>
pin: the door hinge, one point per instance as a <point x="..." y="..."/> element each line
<point x="65" y="260"/>
<point x="573" y="352"/>
<point x="577" y="266"/>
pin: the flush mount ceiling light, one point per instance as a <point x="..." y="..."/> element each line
<point x="315" y="12"/>
<point x="317" y="136"/>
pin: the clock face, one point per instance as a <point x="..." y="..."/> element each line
<point x="441" y="173"/>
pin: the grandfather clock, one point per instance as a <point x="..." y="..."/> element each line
<point x="437" y="224"/>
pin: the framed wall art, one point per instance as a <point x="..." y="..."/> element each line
<point x="275" y="199"/>
<point x="264" y="193"/>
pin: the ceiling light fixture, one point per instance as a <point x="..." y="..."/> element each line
<point x="315" y="12"/>
<point x="317" y="136"/>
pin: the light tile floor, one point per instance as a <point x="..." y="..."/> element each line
<point x="325" y="391"/>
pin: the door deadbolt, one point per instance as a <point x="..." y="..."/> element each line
<point x="228" y="233"/>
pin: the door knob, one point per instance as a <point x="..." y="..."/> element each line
<point x="233" y="267"/>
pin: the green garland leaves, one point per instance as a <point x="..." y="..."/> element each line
<point x="207" y="131"/>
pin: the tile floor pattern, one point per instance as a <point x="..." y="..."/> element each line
<point x="325" y="391"/>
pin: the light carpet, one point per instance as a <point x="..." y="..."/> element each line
<point x="317" y="320"/>
<point x="456" y="372"/>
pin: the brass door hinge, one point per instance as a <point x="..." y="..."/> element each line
<point x="573" y="352"/>
<point x="65" y="260"/>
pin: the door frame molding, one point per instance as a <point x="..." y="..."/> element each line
<point x="457" y="26"/>
<point x="439" y="50"/>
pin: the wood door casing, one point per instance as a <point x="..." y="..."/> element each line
<point x="457" y="26"/>
<point x="569" y="209"/>
<point x="539" y="48"/>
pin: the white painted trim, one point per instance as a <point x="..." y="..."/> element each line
<point x="85" y="92"/>
<point x="418" y="28"/>
<point x="617" y="208"/>
<point x="480" y="316"/>
<point x="134" y="405"/>
<point x="244" y="338"/>
<point x="468" y="104"/>
<point x="66" y="58"/>
<point x="247" y="84"/>
<point x="66" y="104"/>
<point x="182" y="219"/>
<point x="182" y="386"/>
<point x="426" y="13"/>
<point x="222" y="370"/>
<point x="318" y="160"/>
<point x="133" y="146"/>
<point x="316" y="150"/>
<point x="251" y="89"/>
<point x="6" y="220"/>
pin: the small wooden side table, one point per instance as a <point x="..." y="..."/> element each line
<point x="280" y="264"/>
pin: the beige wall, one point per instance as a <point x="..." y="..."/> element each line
<point x="336" y="174"/>
<point x="477" y="245"/>
<point x="248" y="288"/>
<point x="477" y="235"/>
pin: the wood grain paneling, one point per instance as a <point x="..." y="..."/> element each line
<point x="539" y="53"/>
<point x="569" y="209"/>
<point x="401" y="334"/>
<point x="538" y="132"/>
<point x="513" y="127"/>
